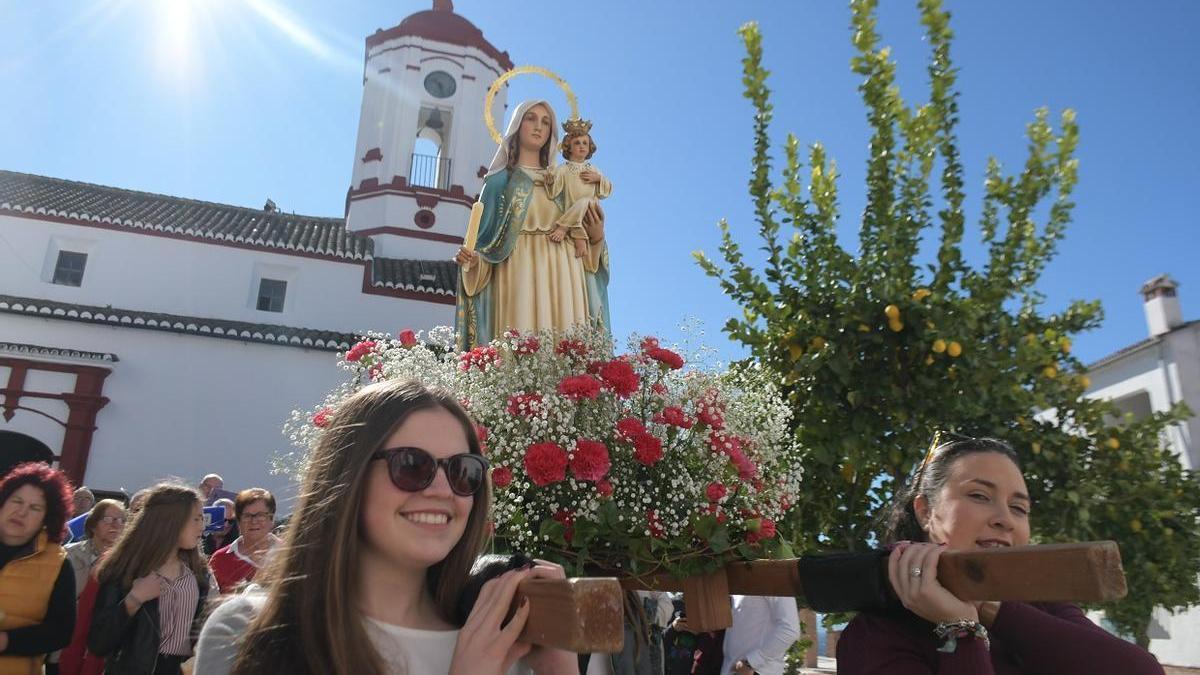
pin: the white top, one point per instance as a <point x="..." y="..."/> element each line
<point x="763" y="630"/>
<point x="404" y="651"/>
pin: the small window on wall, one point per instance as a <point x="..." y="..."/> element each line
<point x="271" y="293"/>
<point x="68" y="271"/>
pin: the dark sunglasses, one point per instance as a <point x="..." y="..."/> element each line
<point x="413" y="469"/>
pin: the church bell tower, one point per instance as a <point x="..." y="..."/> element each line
<point x="423" y="146"/>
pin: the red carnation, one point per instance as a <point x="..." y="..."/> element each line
<point x="666" y="357"/>
<point x="630" y="428"/>
<point x="526" y="404"/>
<point x="620" y="377"/>
<point x="766" y="530"/>
<point x="527" y="346"/>
<point x="674" y="416"/>
<point x="481" y="435"/>
<point x="710" y="411"/>
<point x="659" y="388"/>
<point x="654" y="524"/>
<point x="716" y="491"/>
<point x="546" y="463"/>
<point x="604" y="487"/>
<point x="590" y="460"/>
<point x="577" y="387"/>
<point x="407" y="338"/>
<point x="479" y="357"/>
<point x="502" y="476"/>
<point x="321" y="419"/>
<point x="746" y="468"/>
<point x="571" y="348"/>
<point x="647" y="449"/>
<point x="567" y="519"/>
<point x="360" y="350"/>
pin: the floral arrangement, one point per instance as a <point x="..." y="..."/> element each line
<point x="624" y="463"/>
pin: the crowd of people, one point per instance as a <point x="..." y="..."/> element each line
<point x="369" y="573"/>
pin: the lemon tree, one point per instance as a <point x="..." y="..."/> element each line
<point x="878" y="347"/>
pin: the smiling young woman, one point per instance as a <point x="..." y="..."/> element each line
<point x="970" y="494"/>
<point x="392" y="514"/>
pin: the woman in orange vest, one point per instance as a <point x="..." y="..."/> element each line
<point x="37" y="585"/>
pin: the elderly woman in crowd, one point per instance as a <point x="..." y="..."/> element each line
<point x="101" y="529"/>
<point x="254" y="512"/>
<point x="37" y="587"/>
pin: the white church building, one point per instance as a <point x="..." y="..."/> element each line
<point x="145" y="336"/>
<point x="1152" y="375"/>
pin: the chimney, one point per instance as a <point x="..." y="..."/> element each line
<point x="1161" y="304"/>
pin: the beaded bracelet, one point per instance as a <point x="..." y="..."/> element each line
<point x="951" y="631"/>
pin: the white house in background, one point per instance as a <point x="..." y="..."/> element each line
<point x="144" y="336"/>
<point x="1152" y="376"/>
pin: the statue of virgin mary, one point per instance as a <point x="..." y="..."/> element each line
<point x="517" y="276"/>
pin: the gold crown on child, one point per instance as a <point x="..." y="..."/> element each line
<point x="576" y="127"/>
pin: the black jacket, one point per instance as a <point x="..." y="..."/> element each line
<point x="129" y="644"/>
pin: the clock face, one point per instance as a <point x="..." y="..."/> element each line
<point x="440" y="84"/>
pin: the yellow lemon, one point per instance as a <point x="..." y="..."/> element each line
<point x="920" y="294"/>
<point x="1112" y="443"/>
<point x="954" y="349"/>
<point x="928" y="360"/>
<point x="1085" y="381"/>
<point x="1135" y="525"/>
<point x="896" y="326"/>
<point x="795" y="351"/>
<point x="892" y="312"/>
<point x="864" y="328"/>
<point x="1064" y="344"/>
<point x="817" y="343"/>
<point x="939" y="346"/>
<point x="1050" y="372"/>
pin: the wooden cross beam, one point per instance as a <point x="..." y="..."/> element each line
<point x="1087" y="572"/>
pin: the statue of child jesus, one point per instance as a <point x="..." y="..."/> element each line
<point x="580" y="184"/>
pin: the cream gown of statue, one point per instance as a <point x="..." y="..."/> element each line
<point x="541" y="284"/>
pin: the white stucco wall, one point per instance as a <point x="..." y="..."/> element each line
<point x="180" y="405"/>
<point x="131" y="270"/>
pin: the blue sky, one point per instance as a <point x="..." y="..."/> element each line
<point x="236" y="101"/>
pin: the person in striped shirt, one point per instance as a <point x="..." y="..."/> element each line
<point x="153" y="586"/>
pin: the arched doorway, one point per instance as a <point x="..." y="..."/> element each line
<point x="17" y="448"/>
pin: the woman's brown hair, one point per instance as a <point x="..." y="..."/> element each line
<point x="152" y="537"/>
<point x="311" y="622"/>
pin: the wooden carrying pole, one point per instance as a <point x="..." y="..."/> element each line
<point x="1087" y="572"/>
<point x="581" y="615"/>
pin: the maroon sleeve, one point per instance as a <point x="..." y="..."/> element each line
<point x="1060" y="639"/>
<point x="878" y="645"/>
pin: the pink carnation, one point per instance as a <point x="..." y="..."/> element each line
<point x="321" y="419"/>
<point x="546" y="463"/>
<point x="577" y="387"/>
<point x="571" y="348"/>
<point x="590" y="460"/>
<point x="528" y="345"/>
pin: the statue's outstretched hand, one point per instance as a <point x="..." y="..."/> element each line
<point x="465" y="257"/>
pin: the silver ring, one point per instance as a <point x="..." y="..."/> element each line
<point x="916" y="571"/>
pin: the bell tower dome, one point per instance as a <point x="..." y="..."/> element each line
<point x="422" y="142"/>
